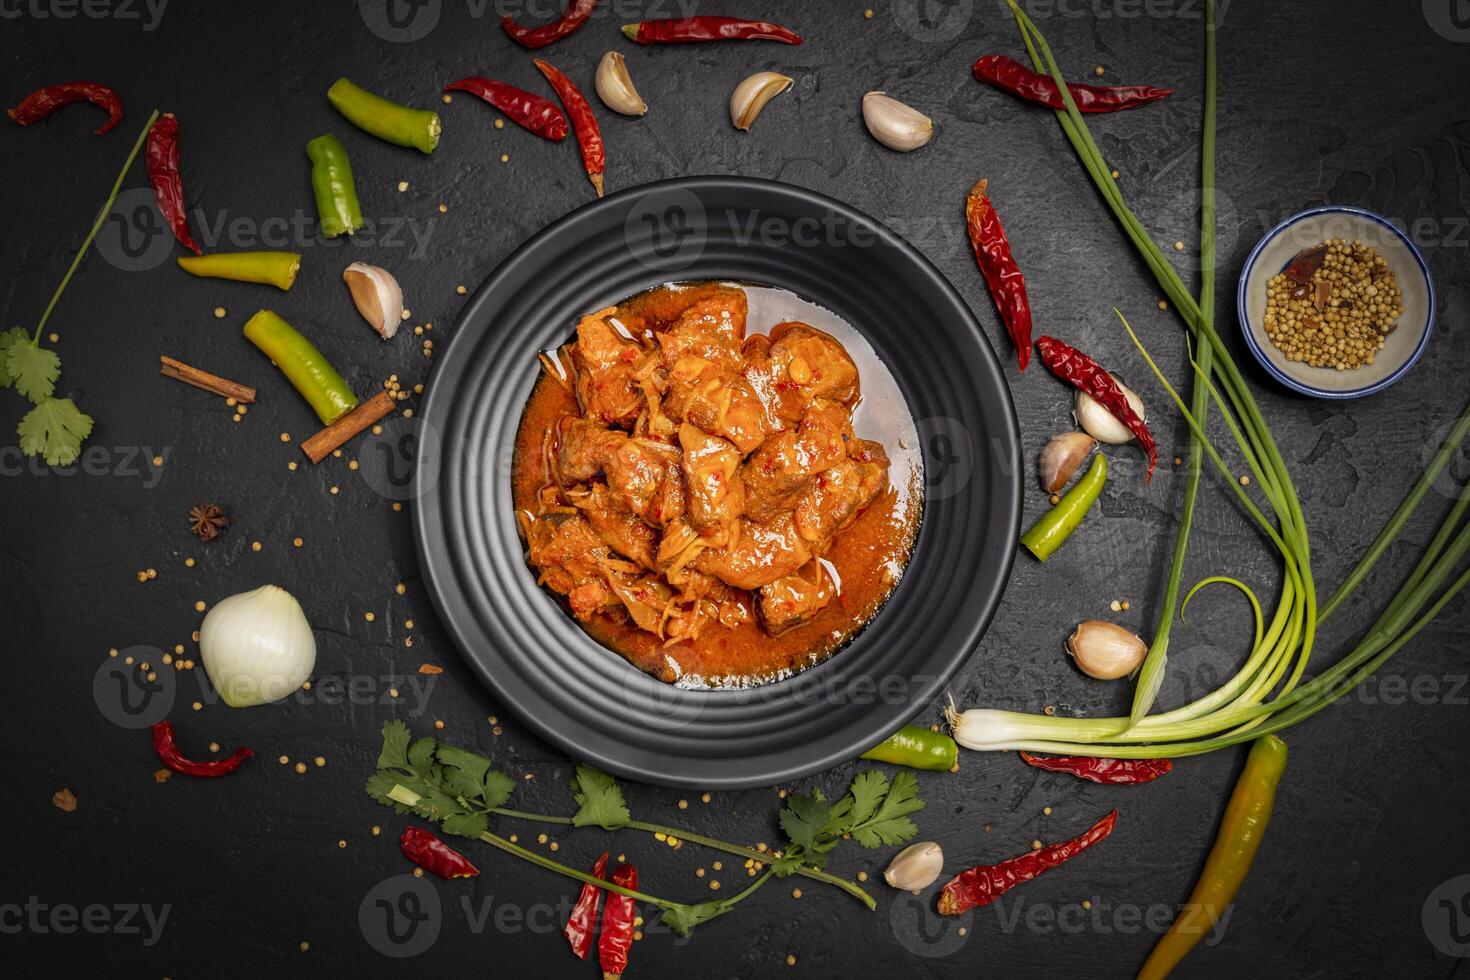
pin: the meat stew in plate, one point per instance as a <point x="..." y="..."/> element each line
<point x="698" y="492"/>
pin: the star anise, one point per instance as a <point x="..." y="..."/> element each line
<point x="206" y="520"/>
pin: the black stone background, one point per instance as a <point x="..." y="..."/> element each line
<point x="1355" y="103"/>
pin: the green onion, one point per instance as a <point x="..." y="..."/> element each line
<point x="1267" y="693"/>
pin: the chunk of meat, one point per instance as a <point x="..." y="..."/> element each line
<point x="835" y="497"/>
<point x="783" y="467"/>
<point x="717" y="400"/>
<point x="645" y="477"/>
<point x="619" y="528"/>
<point x="710" y="329"/>
<point x="760" y="553"/>
<point x="584" y="447"/>
<point x="570" y="556"/>
<point x="713" y="489"/>
<point x="805" y="364"/>
<point x="607" y="371"/>
<point x="794" y="600"/>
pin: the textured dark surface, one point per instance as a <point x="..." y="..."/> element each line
<point x="1354" y="103"/>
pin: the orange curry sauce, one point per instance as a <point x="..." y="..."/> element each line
<point x="867" y="557"/>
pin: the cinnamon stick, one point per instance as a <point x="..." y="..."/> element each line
<point x="320" y="446"/>
<point x="213" y="383"/>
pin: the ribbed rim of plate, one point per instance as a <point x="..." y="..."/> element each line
<point x="584" y="698"/>
<point x="1260" y="354"/>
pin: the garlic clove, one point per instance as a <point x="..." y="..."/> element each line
<point x="751" y="96"/>
<point x="916" y="867"/>
<point x="615" y="86"/>
<point x="1105" y="650"/>
<point x="1102" y="424"/>
<point x="377" y="296"/>
<point x="895" y="125"/>
<point x="1062" y="457"/>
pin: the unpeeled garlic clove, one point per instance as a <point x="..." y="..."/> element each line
<point x="751" y="96"/>
<point x="615" y="86"/>
<point x="1102" y="424"/>
<point x="895" y="125"/>
<point x="1105" y="650"/>
<point x="376" y="295"/>
<point x="1061" y="458"/>
<point x="916" y="867"/>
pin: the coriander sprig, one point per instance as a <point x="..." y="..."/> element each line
<point x="461" y="791"/>
<point x="55" y="427"/>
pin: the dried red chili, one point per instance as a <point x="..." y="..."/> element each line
<point x="1011" y="76"/>
<point x="532" y="112"/>
<point x="1305" y="264"/>
<point x="169" y="754"/>
<point x="1002" y="275"/>
<point x="617" y="924"/>
<point x="584" y="123"/>
<point x="163" y="174"/>
<point x="1085" y="374"/>
<point x="694" y="30"/>
<point x="433" y="855"/>
<point x="1113" y="772"/>
<point x="984" y="884"/>
<point x="44" y="101"/>
<point x="574" y="17"/>
<point x="583" y="920"/>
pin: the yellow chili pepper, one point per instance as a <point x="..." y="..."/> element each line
<point x="302" y="364"/>
<point x="1241" y="830"/>
<point x="267" y="268"/>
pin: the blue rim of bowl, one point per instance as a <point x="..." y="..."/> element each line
<point x="1288" y="380"/>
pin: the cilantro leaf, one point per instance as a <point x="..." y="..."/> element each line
<point x="805" y="817"/>
<point x="868" y="790"/>
<point x="683" y="918"/>
<point x="54" y="429"/>
<point x="8" y="339"/>
<point x="495" y="789"/>
<point x="421" y="754"/>
<point x="462" y="771"/>
<point x="33" y="369"/>
<point x="395" y="746"/>
<point x="379" y="785"/>
<point x="466" y="824"/>
<point x="889" y="824"/>
<point x="599" y="800"/>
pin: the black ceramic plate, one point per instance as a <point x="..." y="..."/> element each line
<point x="586" y="699"/>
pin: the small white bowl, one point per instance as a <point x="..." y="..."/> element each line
<point x="1401" y="348"/>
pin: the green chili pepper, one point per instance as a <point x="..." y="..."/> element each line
<point x="302" y="364"/>
<point x="1057" y="524"/>
<point x="331" y="180"/>
<point x="386" y="120"/>
<point x="1241" y="830"/>
<point x="267" y="268"/>
<point x="917" y="748"/>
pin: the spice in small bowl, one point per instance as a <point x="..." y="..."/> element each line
<point x="1336" y="302"/>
